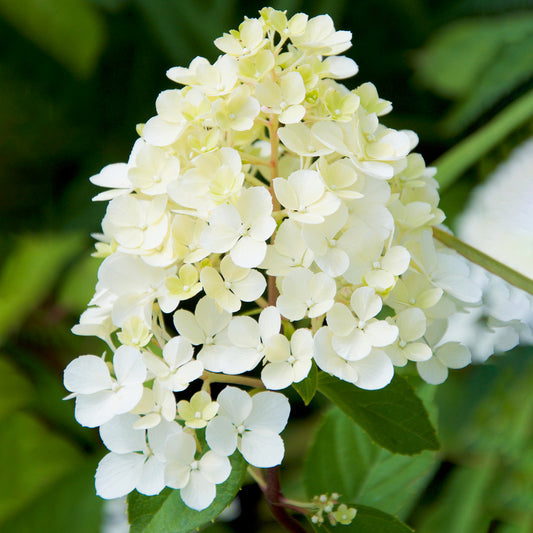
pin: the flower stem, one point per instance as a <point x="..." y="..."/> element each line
<point x="277" y="503"/>
<point x="257" y="476"/>
<point x="274" y="154"/>
<point x="211" y="377"/>
<point x="476" y="256"/>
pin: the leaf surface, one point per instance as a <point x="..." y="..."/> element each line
<point x="343" y="459"/>
<point x="394" y="417"/>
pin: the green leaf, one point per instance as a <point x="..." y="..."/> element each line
<point x="166" y="512"/>
<point x="307" y="387"/>
<point x="71" y="31"/>
<point x="29" y="273"/>
<point x="15" y="389"/>
<point x="73" y="500"/>
<point x="394" y="417"/>
<point x="514" y="66"/>
<point x="480" y="43"/>
<point x="437" y="64"/>
<point x="33" y="459"/>
<point x="461" y="508"/>
<point x="476" y="256"/>
<point x="463" y="155"/>
<point x="495" y="59"/>
<point x="78" y="285"/>
<point x="343" y="459"/>
<point x="368" y="520"/>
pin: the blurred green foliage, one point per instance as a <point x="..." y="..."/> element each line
<point x="76" y="76"/>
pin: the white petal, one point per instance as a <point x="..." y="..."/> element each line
<point x="291" y="308"/>
<point x="177" y="475"/>
<point x="239" y="360"/>
<point x="379" y="279"/>
<point x="417" y="351"/>
<point x="119" y="436"/>
<point x="155" y="364"/>
<point x="161" y="133"/>
<point x="352" y="347"/>
<point x="381" y="333"/>
<point x="177" y="352"/>
<point x="375" y="371"/>
<point x="302" y="344"/>
<point x="248" y="252"/>
<point x="292" y="114"/>
<point x="126" y="398"/>
<point x="270" y="411"/>
<point x="153" y="477"/>
<point x="235" y="404"/>
<point x="93" y="410"/>
<point x="117" y="475"/>
<point x="221" y="435"/>
<point x="412" y="324"/>
<point x="277" y="349"/>
<point x="129" y="366"/>
<point x="157" y="437"/>
<point x="185" y="374"/>
<point x="341" y="67"/>
<point x="243" y="331"/>
<point x="210" y="317"/>
<point x="340" y="320"/>
<point x="199" y="492"/>
<point x="114" y="176"/>
<point x="215" y="468"/>
<point x="262" y="448"/>
<point x="187" y="325"/>
<point x="251" y="287"/>
<point x="223" y="231"/>
<point x="366" y="303"/>
<point x="432" y="371"/>
<point x="180" y="448"/>
<point x="328" y="360"/>
<point x="396" y="260"/>
<point x="212" y="357"/>
<point x="87" y="374"/>
<point x="277" y="376"/>
<point x="301" y="369"/>
<point x="453" y="355"/>
<point x="269" y="322"/>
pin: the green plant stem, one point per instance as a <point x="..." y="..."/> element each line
<point x="256" y="475"/>
<point x="488" y="263"/>
<point x="452" y="164"/>
<point x="210" y="377"/>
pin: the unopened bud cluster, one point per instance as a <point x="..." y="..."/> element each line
<point x="327" y="508"/>
<point x="264" y="197"/>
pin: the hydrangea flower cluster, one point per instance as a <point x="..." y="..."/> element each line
<point x="497" y="221"/>
<point x="265" y="219"/>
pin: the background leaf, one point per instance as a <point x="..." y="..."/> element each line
<point x="71" y="31"/>
<point x="28" y="274"/>
<point x="485" y="422"/>
<point x="452" y="164"/>
<point x="393" y="417"/>
<point x="343" y="459"/>
<point x="368" y="520"/>
<point x="495" y="59"/>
